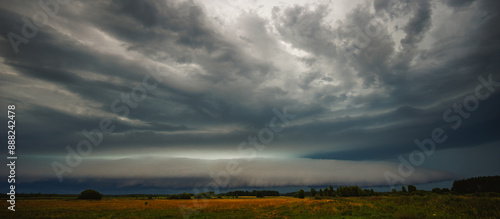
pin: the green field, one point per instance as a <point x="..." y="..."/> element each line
<point x="429" y="206"/>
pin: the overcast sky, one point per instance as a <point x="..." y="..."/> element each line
<point x="187" y="85"/>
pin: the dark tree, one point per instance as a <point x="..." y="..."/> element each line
<point x="185" y="196"/>
<point x="403" y="189"/>
<point x="366" y="192"/>
<point x="412" y="188"/>
<point x="301" y="194"/>
<point x="313" y="192"/>
<point x="321" y="192"/>
<point x="90" y="194"/>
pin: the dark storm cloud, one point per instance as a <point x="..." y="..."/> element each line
<point x="304" y="28"/>
<point x="459" y="3"/>
<point x="70" y="56"/>
<point x="221" y="80"/>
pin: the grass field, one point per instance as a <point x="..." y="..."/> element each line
<point x="431" y="206"/>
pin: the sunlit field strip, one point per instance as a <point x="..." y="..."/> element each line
<point x="283" y="207"/>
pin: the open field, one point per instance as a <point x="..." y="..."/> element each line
<point x="433" y="206"/>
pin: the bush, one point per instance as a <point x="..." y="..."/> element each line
<point x="203" y="196"/>
<point x="437" y="190"/>
<point x="420" y="193"/>
<point x="412" y="188"/>
<point x="90" y="194"/>
<point x="301" y="194"/>
<point x="173" y="197"/>
<point x="184" y="196"/>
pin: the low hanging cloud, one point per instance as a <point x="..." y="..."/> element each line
<point x="256" y="172"/>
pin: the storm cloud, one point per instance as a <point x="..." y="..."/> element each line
<point x="364" y="80"/>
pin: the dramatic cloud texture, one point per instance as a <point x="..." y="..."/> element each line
<point x="364" y="80"/>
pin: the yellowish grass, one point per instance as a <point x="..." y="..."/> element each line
<point x="282" y="207"/>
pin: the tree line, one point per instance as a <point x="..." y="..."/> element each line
<point x="341" y="191"/>
<point x="257" y="193"/>
<point x="349" y="191"/>
<point x="477" y="184"/>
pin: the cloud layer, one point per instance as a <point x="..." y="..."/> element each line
<point x="235" y="173"/>
<point x="364" y="79"/>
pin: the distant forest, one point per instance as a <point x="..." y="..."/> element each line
<point x="477" y="184"/>
<point x="261" y="193"/>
